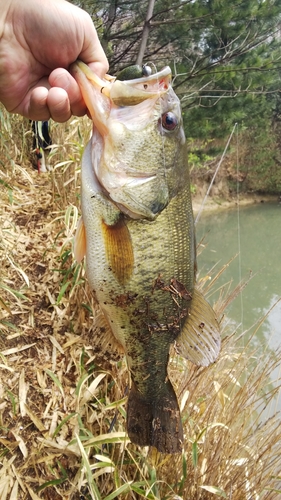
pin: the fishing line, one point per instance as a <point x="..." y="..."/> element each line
<point x="255" y="445"/>
<point x="214" y="176"/>
<point x="238" y="230"/>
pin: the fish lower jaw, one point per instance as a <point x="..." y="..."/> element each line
<point x="134" y="215"/>
<point x="140" y="211"/>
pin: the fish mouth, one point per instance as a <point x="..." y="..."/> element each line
<point x="118" y="107"/>
<point x="125" y="92"/>
<point x="100" y="95"/>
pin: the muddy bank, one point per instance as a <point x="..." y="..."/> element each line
<point x="218" y="203"/>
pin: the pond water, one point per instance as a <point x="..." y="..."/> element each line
<point x="256" y="231"/>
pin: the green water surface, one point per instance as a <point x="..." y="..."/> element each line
<point x="256" y="231"/>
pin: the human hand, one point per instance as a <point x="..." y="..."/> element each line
<point x="40" y="39"/>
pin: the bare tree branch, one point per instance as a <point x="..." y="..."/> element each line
<point x="145" y="32"/>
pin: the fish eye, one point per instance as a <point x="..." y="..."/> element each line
<point x="169" y="121"/>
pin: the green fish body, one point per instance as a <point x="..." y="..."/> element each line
<point x="140" y="244"/>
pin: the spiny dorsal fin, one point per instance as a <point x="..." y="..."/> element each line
<point x="200" y="340"/>
<point x="80" y="241"/>
<point x="119" y="250"/>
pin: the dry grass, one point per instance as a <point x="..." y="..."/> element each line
<point x="62" y="393"/>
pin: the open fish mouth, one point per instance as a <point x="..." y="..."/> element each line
<point x="101" y="95"/>
<point x="125" y="92"/>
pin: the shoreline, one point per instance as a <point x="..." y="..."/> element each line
<point x="216" y="204"/>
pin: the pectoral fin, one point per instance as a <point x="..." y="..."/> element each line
<point x="119" y="250"/>
<point x="80" y="241"/>
<point x="199" y="340"/>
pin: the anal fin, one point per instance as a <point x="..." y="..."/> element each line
<point x="200" y="340"/>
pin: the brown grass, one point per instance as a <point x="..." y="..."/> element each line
<point x="62" y="393"/>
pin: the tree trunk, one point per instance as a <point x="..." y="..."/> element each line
<point x="145" y="32"/>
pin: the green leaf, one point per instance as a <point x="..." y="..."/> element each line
<point x="195" y="453"/>
<point x="136" y="487"/>
<point x="184" y="466"/>
<point x="13" y="292"/>
<point x="63" y="290"/>
<point x="91" y="482"/>
<point x="215" y="490"/>
<point x="5" y="184"/>
<point x="123" y="489"/>
<point x="13" y="401"/>
<point x="113" y="437"/>
<point x="62" y="423"/>
<point x="55" y="482"/>
<point x="55" y="380"/>
<point x="87" y="307"/>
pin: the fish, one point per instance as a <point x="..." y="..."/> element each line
<point x="137" y="232"/>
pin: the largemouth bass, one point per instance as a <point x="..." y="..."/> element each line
<point x="138" y="236"/>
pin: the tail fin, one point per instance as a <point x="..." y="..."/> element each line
<point x="155" y="422"/>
